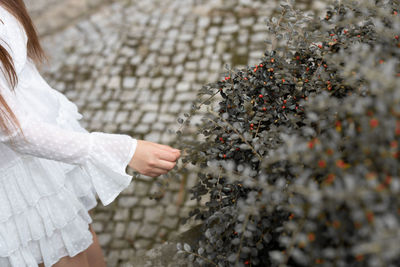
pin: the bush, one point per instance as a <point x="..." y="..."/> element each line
<point x="300" y="161"/>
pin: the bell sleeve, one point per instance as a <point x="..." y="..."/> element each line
<point x="104" y="156"/>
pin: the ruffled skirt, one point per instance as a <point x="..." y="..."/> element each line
<point x="44" y="206"/>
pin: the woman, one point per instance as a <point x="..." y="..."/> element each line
<point x="50" y="167"/>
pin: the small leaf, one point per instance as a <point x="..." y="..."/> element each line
<point x="187" y="247"/>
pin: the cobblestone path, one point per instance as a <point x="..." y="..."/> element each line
<point x="133" y="67"/>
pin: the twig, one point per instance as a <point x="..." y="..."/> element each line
<point x="181" y="191"/>
<point x="242" y="237"/>
<point x="198" y="107"/>
<point x="198" y="255"/>
<point x="258" y="128"/>
<point x="292" y="243"/>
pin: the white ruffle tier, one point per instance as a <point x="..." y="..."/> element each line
<point x="41" y="218"/>
<point x="44" y="203"/>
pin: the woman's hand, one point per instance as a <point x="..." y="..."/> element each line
<point x="153" y="159"/>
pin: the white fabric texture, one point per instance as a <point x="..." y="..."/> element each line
<point x="49" y="177"/>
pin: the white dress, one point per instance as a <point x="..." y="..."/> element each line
<point x="49" y="180"/>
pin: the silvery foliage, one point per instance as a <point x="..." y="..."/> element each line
<point x="300" y="159"/>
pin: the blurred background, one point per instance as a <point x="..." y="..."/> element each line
<point x="133" y="67"/>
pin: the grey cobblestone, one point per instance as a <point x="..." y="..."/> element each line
<point x="121" y="215"/>
<point x="127" y="201"/>
<point x="154" y="215"/>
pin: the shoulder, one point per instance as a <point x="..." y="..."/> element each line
<point x="6" y="18"/>
<point x="13" y="38"/>
<point x="9" y="24"/>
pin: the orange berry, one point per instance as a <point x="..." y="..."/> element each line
<point x="310" y="144"/>
<point x="380" y="187"/>
<point x="322" y="163"/>
<point x="338" y="125"/>
<point x="336" y="224"/>
<point x="330" y="178"/>
<point x="311" y="237"/>
<point x="397" y="127"/>
<point x="370" y="216"/>
<point x="340" y="163"/>
<point x="373" y="123"/>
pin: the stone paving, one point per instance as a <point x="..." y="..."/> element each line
<point x="133" y="67"/>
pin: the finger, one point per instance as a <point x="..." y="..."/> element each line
<point x="157" y="172"/>
<point x="167" y="148"/>
<point x="178" y="155"/>
<point x="165" y="165"/>
<point x="153" y="174"/>
<point x="166" y="155"/>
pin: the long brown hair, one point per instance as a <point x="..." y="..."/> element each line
<point x="34" y="51"/>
